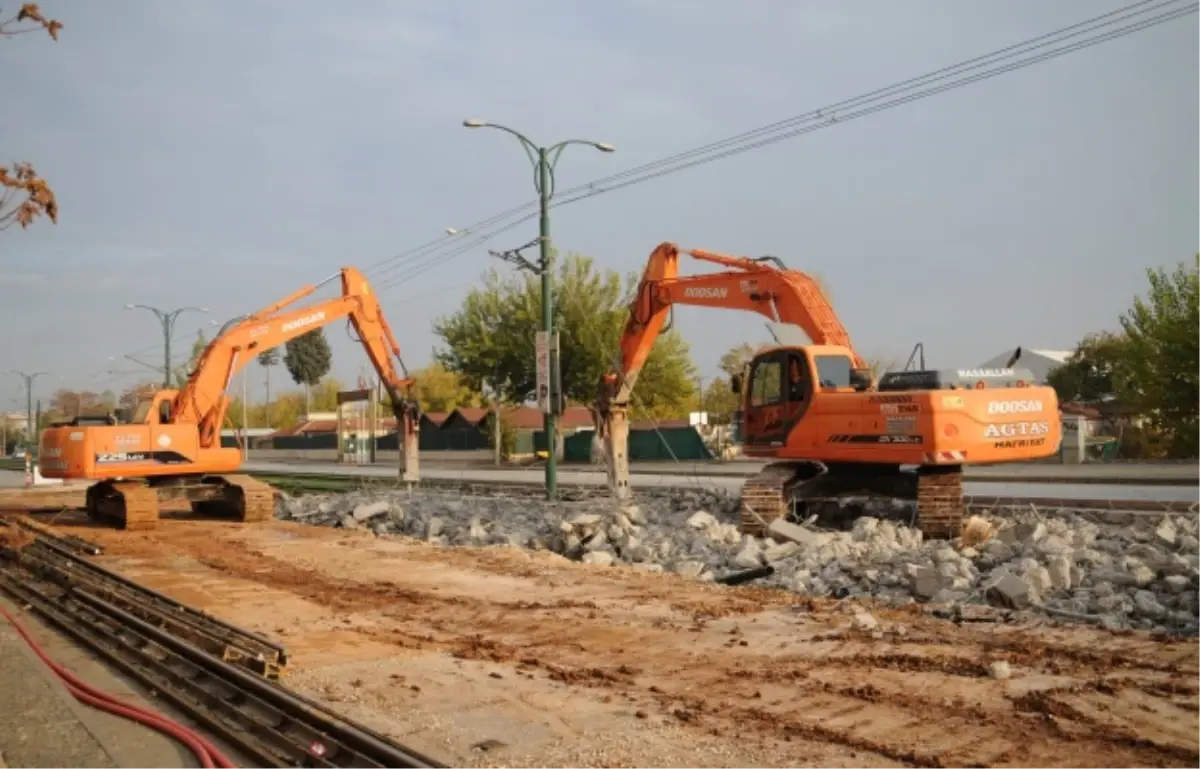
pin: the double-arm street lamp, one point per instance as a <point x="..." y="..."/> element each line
<point x="168" y="328"/>
<point x="544" y="160"/>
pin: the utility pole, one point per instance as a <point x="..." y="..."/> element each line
<point x="30" y="427"/>
<point x="544" y="160"/>
<point x="167" y="319"/>
<point x="245" y="423"/>
<point x="496" y="423"/>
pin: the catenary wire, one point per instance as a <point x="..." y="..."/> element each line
<point x="434" y="253"/>
<point x="593" y="189"/>
<point x="834" y="120"/>
<point x="880" y="93"/>
<point x="753" y="136"/>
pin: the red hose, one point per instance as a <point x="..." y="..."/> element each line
<point x="210" y="756"/>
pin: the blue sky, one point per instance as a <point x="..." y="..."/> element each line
<point x="225" y="154"/>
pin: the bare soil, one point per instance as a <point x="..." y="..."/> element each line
<point x="503" y="657"/>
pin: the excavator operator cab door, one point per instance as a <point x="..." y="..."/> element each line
<point x="779" y="391"/>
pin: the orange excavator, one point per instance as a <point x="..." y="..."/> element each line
<point x="833" y="431"/>
<point x="171" y="449"/>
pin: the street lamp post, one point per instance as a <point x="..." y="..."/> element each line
<point x="168" y="326"/>
<point x="544" y="160"/>
<point x="30" y="427"/>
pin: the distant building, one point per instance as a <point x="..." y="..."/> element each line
<point x="14" y="420"/>
<point x="1040" y="362"/>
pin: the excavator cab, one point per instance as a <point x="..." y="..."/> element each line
<point x="784" y="382"/>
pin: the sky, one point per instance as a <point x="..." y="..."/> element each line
<point x="224" y="155"/>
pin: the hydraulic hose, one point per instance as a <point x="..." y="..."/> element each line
<point x="209" y="756"/>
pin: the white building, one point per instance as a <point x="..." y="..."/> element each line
<point x="1040" y="362"/>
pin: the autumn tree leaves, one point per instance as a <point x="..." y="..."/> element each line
<point x="24" y="195"/>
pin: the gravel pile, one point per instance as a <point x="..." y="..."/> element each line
<point x="1141" y="572"/>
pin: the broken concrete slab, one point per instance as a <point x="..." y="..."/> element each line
<point x="1008" y="591"/>
<point x="784" y="531"/>
<point x="369" y="510"/>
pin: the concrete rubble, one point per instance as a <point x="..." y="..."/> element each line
<point x="1131" y="571"/>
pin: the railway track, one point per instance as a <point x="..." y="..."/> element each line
<point x="220" y="675"/>
<point x="53" y="563"/>
<point x="308" y="482"/>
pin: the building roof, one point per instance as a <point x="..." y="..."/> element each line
<point x="1055" y="355"/>
<point x="1038" y="360"/>
<point x="520" y="418"/>
<point x="253" y="432"/>
<point x="529" y="418"/>
<point x="1080" y="410"/>
<point x="471" y="415"/>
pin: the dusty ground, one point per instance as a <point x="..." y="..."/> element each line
<point x="500" y="657"/>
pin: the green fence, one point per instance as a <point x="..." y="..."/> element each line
<point x="667" y="443"/>
<point x="305" y="442"/>
<point x="664" y="444"/>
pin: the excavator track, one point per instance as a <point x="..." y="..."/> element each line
<point x="250" y="500"/>
<point x="765" y="497"/>
<point x="940" y="501"/>
<point x="129" y="505"/>
<point x="134" y="505"/>
<point x="935" y="490"/>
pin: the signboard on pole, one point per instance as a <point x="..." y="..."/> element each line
<point x="555" y="382"/>
<point x="542" y="353"/>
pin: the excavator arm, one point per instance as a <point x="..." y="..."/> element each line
<point x="762" y="285"/>
<point x="203" y="400"/>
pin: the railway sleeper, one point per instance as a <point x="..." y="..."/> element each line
<point x="46" y="562"/>
<point x="212" y="639"/>
<point x="262" y="730"/>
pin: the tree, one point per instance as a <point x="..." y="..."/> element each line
<point x="720" y="401"/>
<point x="324" y="395"/>
<point x="268" y="358"/>
<point x="1162" y="355"/>
<point x="735" y="361"/>
<point x="1092" y="373"/>
<point x="23" y="194"/>
<point x="308" y="358"/>
<point x="184" y="372"/>
<point x="881" y="365"/>
<point x="70" y="403"/>
<point x="491" y="338"/>
<point x="134" y="395"/>
<point x="441" y="390"/>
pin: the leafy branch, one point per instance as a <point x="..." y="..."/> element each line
<point x="23" y="194"/>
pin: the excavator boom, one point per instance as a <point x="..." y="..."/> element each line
<point x="753" y="285"/>
<point x="173" y="448"/>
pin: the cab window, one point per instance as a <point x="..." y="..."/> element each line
<point x="143" y="412"/>
<point x="766" y="383"/>
<point x="797" y="377"/>
<point x="833" y="370"/>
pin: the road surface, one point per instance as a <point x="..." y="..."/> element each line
<point x="725" y="483"/>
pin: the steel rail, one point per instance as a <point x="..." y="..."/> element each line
<point x="256" y="716"/>
<point x="47" y="561"/>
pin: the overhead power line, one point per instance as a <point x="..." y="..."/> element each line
<point x="401" y="268"/>
<point x="1109" y="26"/>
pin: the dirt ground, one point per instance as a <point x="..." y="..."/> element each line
<point x="502" y="657"/>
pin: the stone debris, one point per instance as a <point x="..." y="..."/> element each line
<point x="1142" y="571"/>
<point x="1000" y="670"/>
